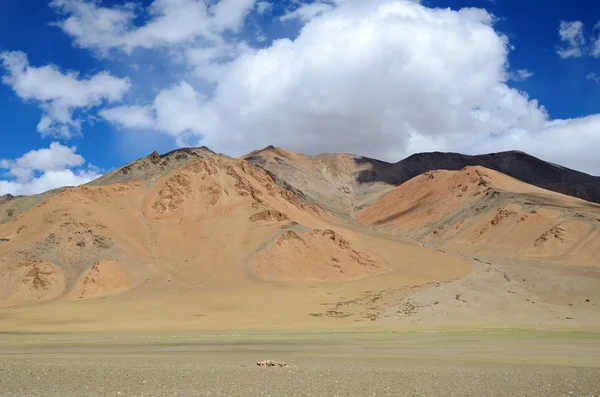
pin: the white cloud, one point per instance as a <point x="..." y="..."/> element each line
<point x="596" y="44"/>
<point x="179" y="109"/>
<point x="571" y="33"/>
<point x="263" y="6"/>
<point x="59" y="94"/>
<point x="521" y="75"/>
<point x="169" y="22"/>
<point x="45" y="169"/>
<point x="229" y="14"/>
<point x="54" y="158"/>
<point x="382" y="78"/>
<point x="363" y="78"/>
<point x="595" y="51"/>
<point x="593" y="77"/>
<point x="130" y="116"/>
<point x="210" y="63"/>
<point x="306" y="12"/>
<point x="176" y="110"/>
<point x="573" y="143"/>
<point x="47" y="181"/>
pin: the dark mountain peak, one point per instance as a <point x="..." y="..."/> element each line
<point x="515" y="152"/>
<point x="6" y="198"/>
<point x="514" y="163"/>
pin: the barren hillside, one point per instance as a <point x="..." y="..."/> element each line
<point x="481" y="210"/>
<point x="341" y="183"/>
<point x="147" y="169"/>
<point x="192" y="239"/>
<point x="518" y="165"/>
<point x="214" y="220"/>
<point x="345" y="183"/>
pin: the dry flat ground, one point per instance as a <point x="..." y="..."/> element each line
<point x="479" y="363"/>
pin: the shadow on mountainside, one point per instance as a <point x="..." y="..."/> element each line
<point x="515" y="164"/>
<point x="402" y="213"/>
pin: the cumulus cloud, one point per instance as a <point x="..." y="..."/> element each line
<point x="176" y="110"/>
<point x="47" y="181"/>
<point x="571" y="34"/>
<point x="382" y="78"/>
<point x="179" y="109"/>
<point x="54" y="158"/>
<point x="169" y="22"/>
<point x="59" y="94"/>
<point x="45" y="169"/>
<point x="365" y="77"/>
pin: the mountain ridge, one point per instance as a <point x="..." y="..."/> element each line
<point x="540" y="173"/>
<point x="370" y="179"/>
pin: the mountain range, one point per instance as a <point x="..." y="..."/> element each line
<point x="196" y="239"/>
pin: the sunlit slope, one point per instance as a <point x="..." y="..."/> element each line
<point x="481" y="210"/>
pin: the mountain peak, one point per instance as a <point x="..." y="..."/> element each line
<point x="150" y="168"/>
<point x="5" y="198"/>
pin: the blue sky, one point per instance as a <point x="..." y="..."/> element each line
<point x="387" y="78"/>
<point x="532" y="27"/>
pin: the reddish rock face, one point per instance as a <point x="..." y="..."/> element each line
<point x="154" y="157"/>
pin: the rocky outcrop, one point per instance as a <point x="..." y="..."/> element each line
<point x="6" y="198"/>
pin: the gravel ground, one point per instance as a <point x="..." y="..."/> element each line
<point x="236" y="374"/>
<point x="461" y="364"/>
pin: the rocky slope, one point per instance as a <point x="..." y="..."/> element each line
<point x="481" y="210"/>
<point x="196" y="240"/>
<point x="214" y="220"/>
<point x="147" y="169"/>
<point x="341" y="183"/>
<point x="345" y="183"/>
<point x="154" y="166"/>
<point x="6" y="198"/>
<point x="15" y="205"/>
